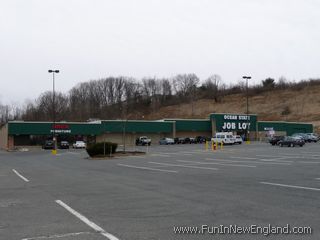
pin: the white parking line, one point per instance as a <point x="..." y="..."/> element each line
<point x="310" y="152"/>
<point x="146" y="168"/>
<point x="308" y="162"/>
<point x="290" y="186"/>
<point x="249" y="158"/>
<point x="275" y="157"/>
<point x="179" y="153"/>
<point x="75" y="153"/>
<point x="265" y="159"/>
<point x="143" y="157"/>
<point x="159" y="155"/>
<point x="57" y="236"/>
<point x="19" y="175"/>
<point x="251" y="161"/>
<point x="275" y="160"/>
<point x="87" y="221"/>
<point x="214" y="163"/>
<point x="180" y="165"/>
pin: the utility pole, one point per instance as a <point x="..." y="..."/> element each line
<point x="54" y="150"/>
<point x="247" y="112"/>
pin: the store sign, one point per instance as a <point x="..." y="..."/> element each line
<point x="237" y="117"/>
<point x="61" y="128"/>
<point x="235" y="126"/>
<point x="236" y="122"/>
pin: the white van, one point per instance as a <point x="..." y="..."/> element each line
<point x="225" y="137"/>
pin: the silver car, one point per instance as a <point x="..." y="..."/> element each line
<point x="166" y="141"/>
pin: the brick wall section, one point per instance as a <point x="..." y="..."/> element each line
<point x="4" y="137"/>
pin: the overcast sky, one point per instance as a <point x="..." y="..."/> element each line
<point x="92" y="39"/>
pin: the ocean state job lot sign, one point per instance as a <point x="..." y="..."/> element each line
<point x="234" y="122"/>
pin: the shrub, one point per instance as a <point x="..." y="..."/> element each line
<point x="97" y="149"/>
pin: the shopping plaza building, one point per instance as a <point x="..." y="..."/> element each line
<point x="15" y="134"/>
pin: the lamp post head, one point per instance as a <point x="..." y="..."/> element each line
<point x="246" y="77"/>
<point x="53" y="71"/>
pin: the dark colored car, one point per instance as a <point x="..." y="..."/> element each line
<point x="64" y="145"/>
<point x="201" y="139"/>
<point x="290" y="142"/>
<point x="190" y="140"/>
<point x="48" y="144"/>
<point x="179" y="140"/>
<point x="275" y="140"/>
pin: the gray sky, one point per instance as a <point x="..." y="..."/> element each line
<point x="91" y="39"/>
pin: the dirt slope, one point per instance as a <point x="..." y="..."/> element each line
<point x="287" y="105"/>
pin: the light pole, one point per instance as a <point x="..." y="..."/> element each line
<point x="247" y="128"/>
<point x="54" y="151"/>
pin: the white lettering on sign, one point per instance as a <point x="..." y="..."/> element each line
<point x="244" y="117"/>
<point x="233" y="126"/>
<point x="236" y="117"/>
<point x="230" y="117"/>
<point x="60" y="131"/>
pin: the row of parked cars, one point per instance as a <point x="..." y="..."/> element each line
<point x="182" y="140"/>
<point x="222" y="137"/>
<point x="297" y="139"/>
<point x="49" y="144"/>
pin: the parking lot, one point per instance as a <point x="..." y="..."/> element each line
<point x="147" y="197"/>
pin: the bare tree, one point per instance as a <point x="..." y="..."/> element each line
<point x="212" y="87"/>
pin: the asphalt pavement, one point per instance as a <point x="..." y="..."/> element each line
<point x="152" y="196"/>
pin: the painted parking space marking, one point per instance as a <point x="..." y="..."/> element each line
<point x="143" y="157"/>
<point x="179" y="153"/>
<point x="252" y="161"/>
<point x="20" y="176"/>
<point x="58" y="236"/>
<point x="265" y="159"/>
<point x="184" y="166"/>
<point x="308" y="162"/>
<point x="290" y="186"/>
<point x="250" y="158"/>
<point x="75" y="153"/>
<point x="91" y="224"/>
<point x="274" y="160"/>
<point x="159" y="155"/>
<point x="222" y="164"/>
<point x="147" y="168"/>
<point x="274" y="157"/>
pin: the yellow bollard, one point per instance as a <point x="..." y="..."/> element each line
<point x="207" y="145"/>
<point x="54" y="151"/>
<point x="213" y="146"/>
<point x="221" y="146"/>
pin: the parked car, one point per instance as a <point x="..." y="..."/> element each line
<point x="201" y="139"/>
<point x="48" y="144"/>
<point x="224" y="137"/>
<point x="64" y="145"/>
<point x="190" y="140"/>
<point x="79" y="144"/>
<point x="313" y="137"/>
<point x="238" y="139"/>
<point x="166" y="141"/>
<point x="143" y="140"/>
<point x="275" y="140"/>
<point x="305" y="137"/>
<point x="179" y="140"/>
<point x="290" y="142"/>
